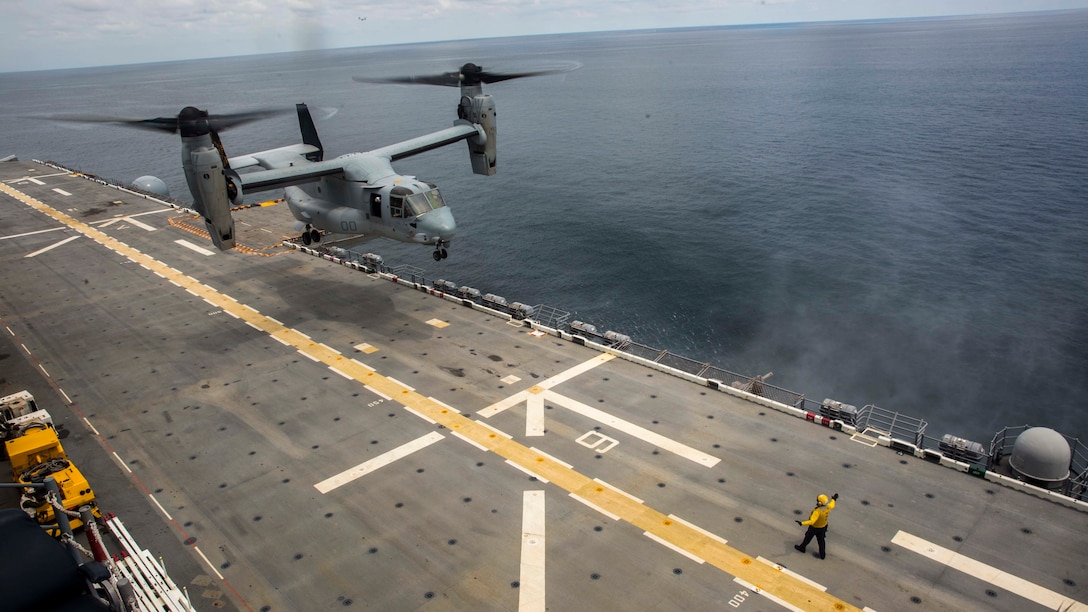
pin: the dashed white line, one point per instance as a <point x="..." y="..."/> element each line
<point x="699" y="529"/>
<point x="420" y="415"/>
<point x="673" y="547"/>
<point x="378" y="393"/>
<point x="595" y="507"/>
<point x="620" y="491"/>
<point x="470" y="441"/>
<point x="201" y="553"/>
<point x="755" y="589"/>
<point x="121" y="461"/>
<point x="527" y="471"/>
<point x="347" y="376"/>
<point x="559" y="461"/>
<point x="163" y="510"/>
<point x="786" y="570"/>
<point x="85" y="420"/>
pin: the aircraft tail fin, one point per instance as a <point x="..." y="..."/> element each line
<point x="309" y="133"/>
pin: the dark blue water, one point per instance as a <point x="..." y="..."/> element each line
<point x="886" y="212"/>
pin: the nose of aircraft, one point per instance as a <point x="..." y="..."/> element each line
<point x="438" y="223"/>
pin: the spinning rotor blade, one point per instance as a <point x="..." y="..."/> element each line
<point x="190" y="121"/>
<point x="469" y="74"/>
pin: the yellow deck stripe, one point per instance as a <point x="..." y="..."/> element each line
<point x="725" y="557"/>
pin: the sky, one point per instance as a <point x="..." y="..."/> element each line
<point x="50" y="34"/>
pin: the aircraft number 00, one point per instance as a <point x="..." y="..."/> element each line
<point x="348" y="226"/>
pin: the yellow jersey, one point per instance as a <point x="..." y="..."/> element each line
<point x="818" y="518"/>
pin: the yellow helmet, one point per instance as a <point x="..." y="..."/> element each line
<point x="822" y="500"/>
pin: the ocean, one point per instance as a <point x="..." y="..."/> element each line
<point x="882" y="212"/>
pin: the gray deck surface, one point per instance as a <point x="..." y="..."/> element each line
<point x="230" y="429"/>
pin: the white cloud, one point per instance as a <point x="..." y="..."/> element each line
<point x="36" y="34"/>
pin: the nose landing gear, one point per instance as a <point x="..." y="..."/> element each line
<point x="440" y="251"/>
<point x="310" y="235"/>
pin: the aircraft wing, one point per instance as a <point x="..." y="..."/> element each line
<point x="302" y="171"/>
<point x="460" y="131"/>
<point x="274" y="158"/>
<point x="288" y="165"/>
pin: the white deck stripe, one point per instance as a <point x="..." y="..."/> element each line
<point x="534" y="415"/>
<point x="581" y="368"/>
<point x="378" y="462"/>
<point x="527" y="471"/>
<point x="987" y="573"/>
<point x="755" y="589"/>
<point x="35" y="181"/>
<point x="517" y="398"/>
<point x="595" y="507"/>
<point x="91" y="426"/>
<point x="121" y="461"/>
<point x="201" y="553"/>
<point x="784" y="569"/>
<point x="55" y="229"/>
<point x="61" y="191"/>
<point x="345" y="375"/>
<point x="620" y="491"/>
<point x="51" y="247"/>
<point x="421" y="415"/>
<point x="543" y="454"/>
<point x="673" y="547"/>
<point x="699" y="529"/>
<point x="470" y="441"/>
<point x="531" y="586"/>
<point x="161" y="508"/>
<point x="193" y="247"/>
<point x="378" y="393"/>
<point x="496" y="430"/>
<point x="139" y="224"/>
<point x="501" y="405"/>
<point x="629" y="428"/>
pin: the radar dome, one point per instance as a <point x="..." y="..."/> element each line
<point x="152" y="184"/>
<point x="1041" y="454"/>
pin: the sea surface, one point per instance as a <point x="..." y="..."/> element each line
<point x="884" y="212"/>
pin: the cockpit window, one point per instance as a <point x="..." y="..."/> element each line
<point x="426" y="201"/>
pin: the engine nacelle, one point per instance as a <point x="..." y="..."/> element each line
<point x="210" y="197"/>
<point x="234" y="188"/>
<point x="480" y="109"/>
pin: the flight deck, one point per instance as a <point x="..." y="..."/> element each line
<point x="300" y="435"/>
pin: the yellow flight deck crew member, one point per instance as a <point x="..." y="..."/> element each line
<point x="817" y="523"/>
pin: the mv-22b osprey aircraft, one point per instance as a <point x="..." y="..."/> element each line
<point x="355" y="194"/>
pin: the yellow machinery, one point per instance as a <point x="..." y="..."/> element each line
<point x="35" y="452"/>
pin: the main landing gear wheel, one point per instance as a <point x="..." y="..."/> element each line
<point x="310" y="236"/>
<point x="440" y="254"/>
